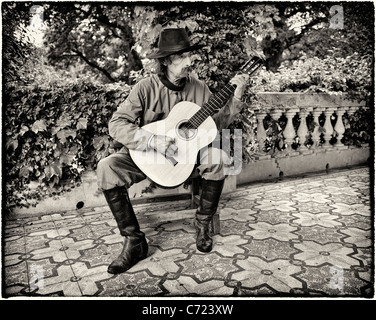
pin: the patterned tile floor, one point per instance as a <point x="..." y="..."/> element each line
<point x="294" y="238"/>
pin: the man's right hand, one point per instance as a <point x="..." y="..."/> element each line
<point x="164" y="145"/>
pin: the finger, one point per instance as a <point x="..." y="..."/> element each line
<point x="239" y="80"/>
<point x="234" y="82"/>
<point x="171" y="150"/>
<point x="243" y="78"/>
<point x="169" y="139"/>
<point x="174" y="147"/>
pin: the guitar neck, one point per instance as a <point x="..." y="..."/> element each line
<point x="216" y="102"/>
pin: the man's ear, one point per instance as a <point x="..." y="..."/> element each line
<point x="166" y="61"/>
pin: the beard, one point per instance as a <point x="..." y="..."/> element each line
<point x="184" y="73"/>
<point x="178" y="77"/>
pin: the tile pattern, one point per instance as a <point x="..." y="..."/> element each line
<point x="302" y="237"/>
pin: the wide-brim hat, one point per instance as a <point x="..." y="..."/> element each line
<point x="173" y="41"/>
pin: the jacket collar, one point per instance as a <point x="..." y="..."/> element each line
<point x="170" y="85"/>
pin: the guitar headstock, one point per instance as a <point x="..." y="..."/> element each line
<point x="252" y="65"/>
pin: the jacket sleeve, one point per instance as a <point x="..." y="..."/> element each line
<point x="123" y="127"/>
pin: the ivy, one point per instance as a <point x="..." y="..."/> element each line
<point x="53" y="134"/>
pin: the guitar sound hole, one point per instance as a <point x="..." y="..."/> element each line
<point x="184" y="132"/>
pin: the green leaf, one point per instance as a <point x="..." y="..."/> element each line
<point x="81" y="123"/>
<point x="39" y="125"/>
<point x="64" y="134"/>
<point x="53" y="169"/>
<point x="24" y="172"/>
<point x="58" y="149"/>
<point x="23" y="130"/>
<point x="98" y="142"/>
<point x="67" y="158"/>
<point x="11" y="144"/>
<point x="61" y="124"/>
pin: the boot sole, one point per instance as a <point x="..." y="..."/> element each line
<point x="203" y="250"/>
<point x="122" y="270"/>
<point x="117" y="270"/>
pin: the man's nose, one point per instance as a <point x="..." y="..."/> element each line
<point x="188" y="61"/>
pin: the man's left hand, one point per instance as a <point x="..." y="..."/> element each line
<point x="241" y="81"/>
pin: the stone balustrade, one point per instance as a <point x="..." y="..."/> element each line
<point x="311" y="141"/>
<point x="303" y="105"/>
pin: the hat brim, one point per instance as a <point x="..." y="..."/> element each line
<point x="166" y="53"/>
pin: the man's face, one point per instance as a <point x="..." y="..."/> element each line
<point x="180" y="65"/>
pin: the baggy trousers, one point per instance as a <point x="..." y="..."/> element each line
<point x="118" y="169"/>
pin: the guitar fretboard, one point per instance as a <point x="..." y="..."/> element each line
<point x="216" y="102"/>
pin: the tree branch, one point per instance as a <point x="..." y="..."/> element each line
<point x="94" y="65"/>
<point x="305" y="29"/>
<point x="102" y="18"/>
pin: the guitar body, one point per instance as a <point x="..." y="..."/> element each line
<point x="172" y="172"/>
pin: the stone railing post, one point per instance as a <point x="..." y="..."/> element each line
<point x="316" y="131"/>
<point x="261" y="133"/>
<point x="328" y="127"/>
<point x="339" y="128"/>
<point x="303" y="129"/>
<point x="276" y="114"/>
<point x="289" y="132"/>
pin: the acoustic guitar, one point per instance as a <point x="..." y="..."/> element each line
<point x="192" y="128"/>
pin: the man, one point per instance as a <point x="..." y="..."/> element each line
<point x="150" y="100"/>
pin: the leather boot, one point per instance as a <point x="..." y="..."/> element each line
<point x="135" y="246"/>
<point x="210" y="194"/>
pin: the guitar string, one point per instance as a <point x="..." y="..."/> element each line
<point x="228" y="90"/>
<point x="208" y="108"/>
<point x="215" y="102"/>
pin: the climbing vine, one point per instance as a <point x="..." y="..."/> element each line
<point x="53" y="134"/>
